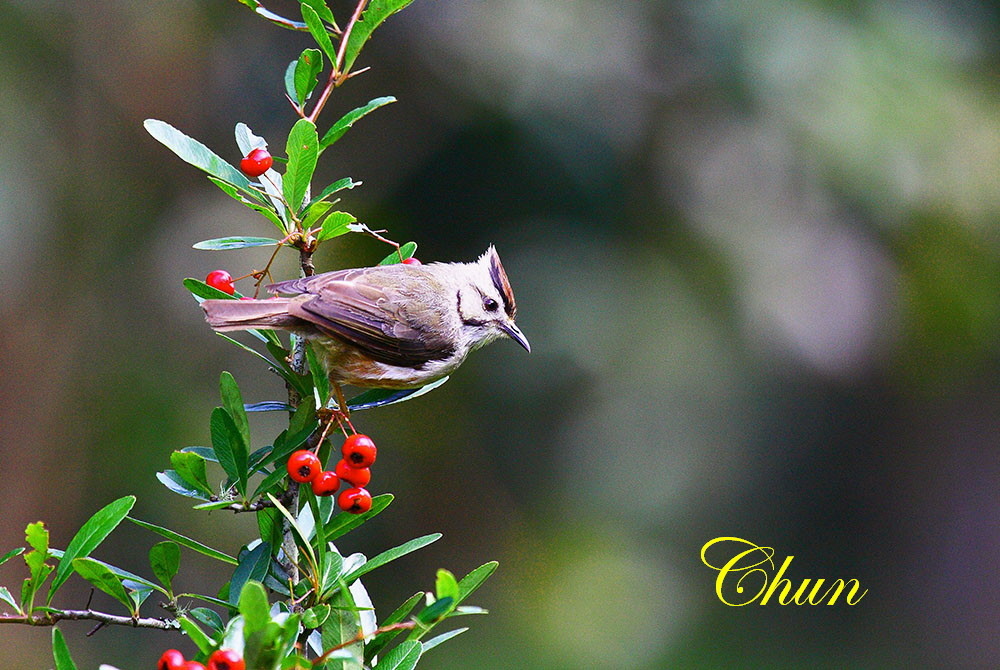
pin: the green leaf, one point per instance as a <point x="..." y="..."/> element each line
<point x="252" y="568"/>
<point x="474" y="580"/>
<point x="301" y="537"/>
<point x="377" y="12"/>
<point x="226" y="243"/>
<point x="37" y="537"/>
<point x="195" y="153"/>
<point x="203" y="642"/>
<point x="381" y="397"/>
<point x="382" y="640"/>
<point x="129" y="580"/>
<point x="443" y="637"/>
<point x="98" y="575"/>
<point x="318" y="31"/>
<point x="191" y="468"/>
<point x="254" y="607"/>
<point x="60" y="652"/>
<point x="343" y="625"/>
<point x="269" y="526"/>
<point x="405" y="250"/>
<point x="309" y="65"/>
<point x="446" y="586"/>
<point x="11" y="554"/>
<point x="336" y="186"/>
<point x="90" y="535"/>
<point x="39" y="570"/>
<point x="165" y="560"/>
<point x="321" y="381"/>
<point x="335" y="225"/>
<point x="173" y="481"/>
<point x="259" y="203"/>
<point x="435" y="611"/>
<point x="403" y="657"/>
<point x="194" y="545"/>
<point x="303" y="151"/>
<point x="200" y="289"/>
<point x="344" y="523"/>
<point x="280" y="367"/>
<point x="338" y="129"/>
<point x="6" y="597"/>
<point x="232" y="401"/>
<point x="322" y="10"/>
<point x="208" y="617"/>
<point x="391" y="555"/>
<point x="315" y="615"/>
<point x="290" y="81"/>
<point x="230" y="448"/>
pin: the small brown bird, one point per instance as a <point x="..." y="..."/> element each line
<point x="390" y="326"/>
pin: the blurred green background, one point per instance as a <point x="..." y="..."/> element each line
<point x="754" y="246"/>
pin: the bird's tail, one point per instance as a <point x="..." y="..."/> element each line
<point x="224" y="315"/>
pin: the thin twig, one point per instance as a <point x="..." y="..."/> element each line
<point x="50" y="618"/>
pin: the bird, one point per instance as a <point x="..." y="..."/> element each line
<point x="393" y="326"/>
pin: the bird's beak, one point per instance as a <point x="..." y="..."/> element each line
<point x="515" y="334"/>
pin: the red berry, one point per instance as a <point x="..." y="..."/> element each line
<point x="256" y="163"/>
<point x="303" y="466"/>
<point x="353" y="476"/>
<point x="170" y="660"/>
<point x="221" y="280"/>
<point x="355" y="501"/>
<point x="359" y="451"/>
<point x="411" y="261"/>
<point x="191" y="665"/>
<point x="226" y="659"/>
<point x="326" y="483"/>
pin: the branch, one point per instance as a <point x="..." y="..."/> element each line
<point x="50" y="618"/>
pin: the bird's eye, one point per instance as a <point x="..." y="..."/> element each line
<point x="490" y="305"/>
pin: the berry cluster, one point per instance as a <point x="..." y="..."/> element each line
<point x="223" y="659"/>
<point x="354" y="468"/>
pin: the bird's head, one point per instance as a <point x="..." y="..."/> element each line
<point x="486" y="303"/>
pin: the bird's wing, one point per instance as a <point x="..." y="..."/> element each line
<point x="393" y="321"/>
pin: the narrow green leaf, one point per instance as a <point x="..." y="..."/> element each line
<point x="301" y="537"/>
<point x="338" y="129"/>
<point x="208" y="617"/>
<point x="344" y="523"/>
<point x="335" y="225"/>
<point x="445" y="586"/>
<point x="191" y="468"/>
<point x="269" y="526"/>
<point x="226" y="243"/>
<point x="320" y="379"/>
<point x="6" y="597"/>
<point x="232" y="401"/>
<point x="435" y="611"/>
<point x="260" y="204"/>
<point x="318" y="31"/>
<point x="405" y="250"/>
<point x="403" y="657"/>
<point x="11" y="554"/>
<point x="377" y="12"/>
<point x="339" y="185"/>
<point x="309" y="65"/>
<point x="102" y="578"/>
<point x="290" y="81"/>
<point x="90" y="535"/>
<point x="174" y="482"/>
<point x="195" y="153"/>
<point x="205" y="452"/>
<point x="271" y="482"/>
<point x="322" y="10"/>
<point x="194" y="545"/>
<point x="343" y="625"/>
<point x="212" y="504"/>
<point x="254" y="607"/>
<point x="475" y="579"/>
<point x="229" y="447"/>
<point x="438" y="639"/>
<point x="201" y="640"/>
<point x="280" y="367"/>
<point x="391" y="555"/>
<point x="381" y="397"/>
<point x="129" y="580"/>
<point x="202" y="290"/>
<point x="60" y="652"/>
<point x="303" y="151"/>
<point x="165" y="560"/>
<point x="252" y="568"/>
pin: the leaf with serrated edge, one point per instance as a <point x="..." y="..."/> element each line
<point x="90" y="535"/>
<point x="194" y="545"/>
<point x="342" y="125"/>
